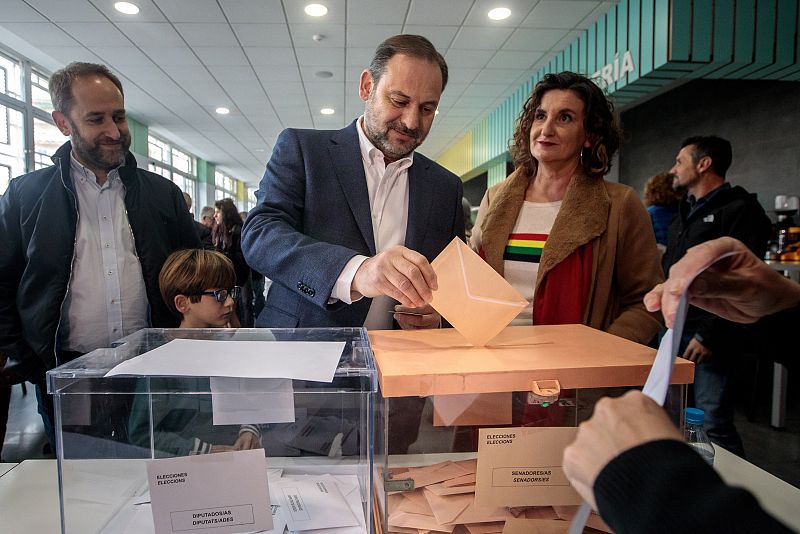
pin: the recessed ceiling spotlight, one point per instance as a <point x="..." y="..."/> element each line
<point x="327" y="111"/>
<point x="324" y="74"/>
<point x="316" y="10"/>
<point x="126" y="7"/>
<point x="222" y="110"/>
<point x="499" y="13"/>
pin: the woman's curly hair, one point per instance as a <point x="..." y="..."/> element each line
<point x="658" y="190"/>
<point x="599" y="123"/>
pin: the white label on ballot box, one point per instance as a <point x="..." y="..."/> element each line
<point x="220" y="493"/>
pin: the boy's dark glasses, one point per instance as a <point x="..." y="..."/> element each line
<point x="221" y="295"/>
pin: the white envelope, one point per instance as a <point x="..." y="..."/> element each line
<point x="312" y="504"/>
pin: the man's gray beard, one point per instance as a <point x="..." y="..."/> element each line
<point x="381" y="139"/>
<point x="95" y="157"/>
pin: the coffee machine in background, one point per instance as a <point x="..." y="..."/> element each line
<point x="786" y="235"/>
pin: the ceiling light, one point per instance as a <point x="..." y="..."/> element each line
<point x="499" y="13"/>
<point x="324" y="74"/>
<point x="327" y="111"/>
<point x="316" y="10"/>
<point x="126" y="7"/>
<point x="222" y="110"/>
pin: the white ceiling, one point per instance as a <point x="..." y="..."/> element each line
<point x="181" y="59"/>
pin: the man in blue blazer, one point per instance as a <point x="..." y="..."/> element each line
<point x="348" y="220"/>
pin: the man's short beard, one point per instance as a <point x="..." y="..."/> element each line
<point x="381" y="139"/>
<point x="93" y="156"/>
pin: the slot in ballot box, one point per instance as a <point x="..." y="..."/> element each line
<point x="109" y="426"/>
<point x="469" y="437"/>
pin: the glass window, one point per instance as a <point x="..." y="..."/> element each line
<point x="251" y="197"/>
<point x="40" y="96"/>
<point x="181" y="161"/>
<point x="11" y="77"/>
<point x="12" y="145"/>
<point x="219" y="194"/>
<point x="158" y="149"/>
<point x="46" y="140"/>
<point x="158" y="169"/>
<point x="219" y="180"/>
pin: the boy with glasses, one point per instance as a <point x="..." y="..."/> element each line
<point x="199" y="287"/>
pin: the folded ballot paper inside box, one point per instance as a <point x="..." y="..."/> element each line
<point x="444" y="501"/>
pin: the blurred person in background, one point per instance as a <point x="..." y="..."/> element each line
<point x="661" y="200"/>
<point x="227" y="239"/>
<point x="203" y="231"/>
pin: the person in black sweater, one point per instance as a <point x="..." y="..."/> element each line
<point x="629" y="461"/>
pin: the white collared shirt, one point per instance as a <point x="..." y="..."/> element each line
<point x="106" y="298"/>
<point x="387" y="186"/>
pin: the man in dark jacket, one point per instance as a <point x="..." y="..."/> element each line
<point x="85" y="239"/>
<point x="712" y="209"/>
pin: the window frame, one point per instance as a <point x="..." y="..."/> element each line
<point x="175" y="174"/>
<point x="25" y="105"/>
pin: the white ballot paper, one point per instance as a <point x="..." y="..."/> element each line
<point x="242" y="401"/>
<point x="300" y="360"/>
<point x="220" y="493"/>
<point x="313" y="503"/>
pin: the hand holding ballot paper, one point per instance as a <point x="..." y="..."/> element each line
<point x="630" y="443"/>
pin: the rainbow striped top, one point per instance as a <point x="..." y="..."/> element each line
<point x="525" y="247"/>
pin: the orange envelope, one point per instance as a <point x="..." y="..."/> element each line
<point x="595" y="521"/>
<point x="466" y="480"/>
<point x="472" y="409"/>
<point x="485" y="528"/>
<point x="420" y="522"/>
<point x="522" y="466"/>
<point x="441" y="489"/>
<point x="473" y="298"/>
<point x="446" y="508"/>
<point x="536" y="526"/>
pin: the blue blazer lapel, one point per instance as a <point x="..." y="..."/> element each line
<point x="349" y="169"/>
<point x="420" y="203"/>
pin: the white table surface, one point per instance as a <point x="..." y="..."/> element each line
<point x="776" y="496"/>
<point x="6" y="467"/>
<point x="29" y="493"/>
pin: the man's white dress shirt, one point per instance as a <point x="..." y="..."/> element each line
<point x="106" y="298"/>
<point x="388" y="199"/>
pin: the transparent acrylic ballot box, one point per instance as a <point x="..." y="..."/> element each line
<point x="108" y="428"/>
<point x="439" y="395"/>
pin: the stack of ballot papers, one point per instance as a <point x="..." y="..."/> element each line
<point x="311" y="504"/>
<point x="443" y="500"/>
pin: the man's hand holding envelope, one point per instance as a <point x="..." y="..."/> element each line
<point x="471" y="296"/>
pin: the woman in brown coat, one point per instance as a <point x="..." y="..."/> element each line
<point x="579" y="247"/>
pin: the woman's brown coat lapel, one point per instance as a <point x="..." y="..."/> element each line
<point x="625" y="261"/>
<point x="583" y="217"/>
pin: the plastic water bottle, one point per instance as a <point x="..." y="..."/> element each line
<point x="696" y="435"/>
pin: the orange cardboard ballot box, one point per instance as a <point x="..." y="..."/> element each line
<point x="473" y="436"/>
